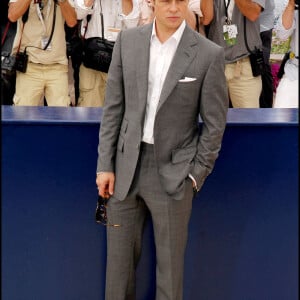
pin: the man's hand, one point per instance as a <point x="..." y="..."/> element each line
<point x="105" y="182"/>
<point x="88" y="3"/>
<point x="69" y="13"/>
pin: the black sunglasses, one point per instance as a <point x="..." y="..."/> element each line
<point x="101" y="217"/>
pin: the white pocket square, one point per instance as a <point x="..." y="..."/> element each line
<point x="187" y="79"/>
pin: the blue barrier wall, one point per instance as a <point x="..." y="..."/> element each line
<point x="243" y="241"/>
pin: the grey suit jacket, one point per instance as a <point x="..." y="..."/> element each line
<point x="180" y="148"/>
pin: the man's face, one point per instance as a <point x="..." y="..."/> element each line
<point x="170" y="13"/>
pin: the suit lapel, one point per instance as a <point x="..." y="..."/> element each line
<point x="142" y="64"/>
<point x="182" y="59"/>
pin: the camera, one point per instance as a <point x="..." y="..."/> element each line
<point x="257" y="62"/>
<point x="21" y="62"/>
<point x="12" y="63"/>
<point x="7" y="63"/>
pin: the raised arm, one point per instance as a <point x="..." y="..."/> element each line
<point x="207" y="9"/>
<point x="288" y="15"/>
<point x="286" y="23"/>
<point x="17" y="9"/>
<point x="68" y="12"/>
<point x="250" y="9"/>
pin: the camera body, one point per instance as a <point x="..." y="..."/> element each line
<point x="21" y="62"/>
<point x="8" y="63"/>
<point x="12" y="63"/>
<point x="257" y="62"/>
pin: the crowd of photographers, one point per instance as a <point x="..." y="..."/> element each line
<point x="57" y="52"/>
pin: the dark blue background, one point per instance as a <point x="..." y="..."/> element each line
<point x="243" y="236"/>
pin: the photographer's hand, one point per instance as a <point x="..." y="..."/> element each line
<point x="88" y="3"/>
<point x="68" y="12"/>
<point x="17" y="9"/>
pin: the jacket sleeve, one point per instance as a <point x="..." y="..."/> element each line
<point x="213" y="112"/>
<point x="113" y="112"/>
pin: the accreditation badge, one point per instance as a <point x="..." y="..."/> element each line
<point x="230" y="33"/>
<point x="44" y="42"/>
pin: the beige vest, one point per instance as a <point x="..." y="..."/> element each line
<point x="34" y="31"/>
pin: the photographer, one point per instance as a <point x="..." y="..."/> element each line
<point x="287" y="92"/>
<point x="117" y="15"/>
<point x="234" y="25"/>
<point x="267" y="19"/>
<point x="40" y="49"/>
<point x="8" y="32"/>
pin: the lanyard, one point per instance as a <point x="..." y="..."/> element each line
<point x="228" y="10"/>
<point x="41" y="17"/>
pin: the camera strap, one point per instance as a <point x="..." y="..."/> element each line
<point x="245" y="37"/>
<point x="197" y="22"/>
<point x="5" y="33"/>
<point x="24" y="20"/>
<point x="102" y="21"/>
<point x="88" y="18"/>
<point x="256" y="56"/>
<point x="52" y="29"/>
<point x="39" y="9"/>
<point x="228" y="4"/>
<point x="53" y="26"/>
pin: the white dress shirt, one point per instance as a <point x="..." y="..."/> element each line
<point x="161" y="56"/>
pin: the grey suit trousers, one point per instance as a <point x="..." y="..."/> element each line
<point x="170" y="224"/>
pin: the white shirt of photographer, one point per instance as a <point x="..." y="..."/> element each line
<point x="114" y="19"/>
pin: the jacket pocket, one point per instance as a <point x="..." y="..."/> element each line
<point x="124" y="126"/>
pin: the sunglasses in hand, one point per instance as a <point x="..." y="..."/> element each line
<point x="101" y="216"/>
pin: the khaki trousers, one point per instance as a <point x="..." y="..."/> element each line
<point x="244" y="89"/>
<point x="92" y="84"/>
<point x="41" y="80"/>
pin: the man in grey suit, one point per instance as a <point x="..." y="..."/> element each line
<point x="152" y="155"/>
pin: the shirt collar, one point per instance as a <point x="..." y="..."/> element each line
<point x="176" y="35"/>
